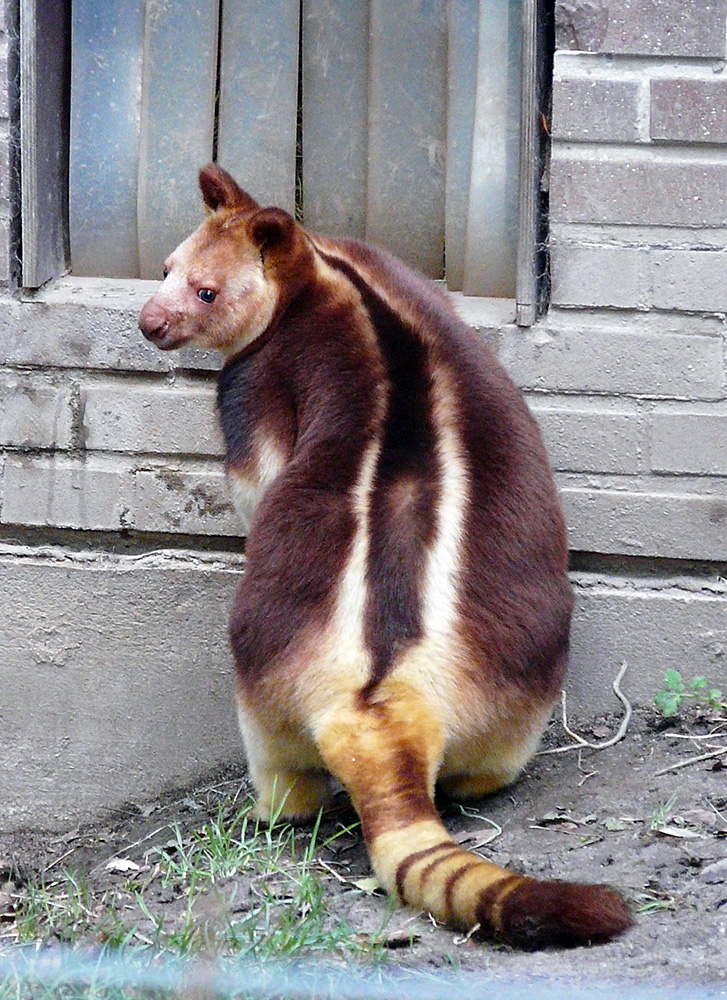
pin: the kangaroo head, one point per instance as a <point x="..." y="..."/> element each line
<point x="226" y="283"/>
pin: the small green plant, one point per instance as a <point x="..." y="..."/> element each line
<point x="675" y="693"/>
<point x="661" y="814"/>
<point x="654" y="902"/>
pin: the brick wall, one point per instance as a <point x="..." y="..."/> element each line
<point x="101" y="432"/>
<point x="636" y="335"/>
<point x="626" y="374"/>
<point x="639" y="171"/>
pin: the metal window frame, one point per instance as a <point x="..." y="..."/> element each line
<point x="532" y="282"/>
<point x="44" y="125"/>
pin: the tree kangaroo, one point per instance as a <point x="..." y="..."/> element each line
<point x="404" y="616"/>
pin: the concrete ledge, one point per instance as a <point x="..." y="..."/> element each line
<point x="655" y="625"/>
<point x="116" y="676"/>
<point x="116" y="679"/>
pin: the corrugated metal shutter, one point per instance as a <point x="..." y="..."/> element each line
<point x="397" y="123"/>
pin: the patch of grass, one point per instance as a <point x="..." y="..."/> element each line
<point x="671" y="699"/>
<point x="233" y="887"/>
<point x="221" y="848"/>
<point x="275" y="906"/>
<point x="62" y="909"/>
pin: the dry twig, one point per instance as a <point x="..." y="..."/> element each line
<point x="580" y="742"/>
<point x="691" y="760"/>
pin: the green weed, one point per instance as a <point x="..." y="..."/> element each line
<point x="670" y="700"/>
<point x="661" y="814"/>
<point x="654" y="902"/>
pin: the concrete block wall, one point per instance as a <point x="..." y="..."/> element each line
<point x="119" y="549"/>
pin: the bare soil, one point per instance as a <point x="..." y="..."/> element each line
<point x="611" y="816"/>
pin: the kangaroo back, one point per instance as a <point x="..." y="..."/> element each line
<point x="404" y="616"/>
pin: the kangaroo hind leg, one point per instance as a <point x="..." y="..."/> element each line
<point x="290" y="779"/>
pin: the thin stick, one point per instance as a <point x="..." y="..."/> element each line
<point x="692" y="760"/>
<point x="463" y="940"/>
<point x="580" y="742"/>
<point x="586" y="774"/>
<point x="716" y="810"/>
<point x="332" y="871"/>
<point x="58" y="860"/>
<point x="696" y="738"/>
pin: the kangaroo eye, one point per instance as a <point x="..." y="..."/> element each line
<point x="165" y="273"/>
<point x="206" y="295"/>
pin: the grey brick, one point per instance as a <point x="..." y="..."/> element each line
<point x="588" y="109"/>
<point x="668" y="525"/>
<point x="186" y="502"/>
<point x="689" y="441"/>
<point x="689" y="110"/>
<point x="638" y="192"/>
<point x="614" y="360"/>
<point x="65" y="494"/>
<point x="109" y="495"/>
<point x="690" y="280"/>
<point x="643" y="27"/>
<point x="4" y="96"/>
<point x="33" y="415"/>
<point x="586" y="275"/>
<point x="152" y="420"/>
<point x="4" y="168"/>
<point x="590" y="438"/>
<point x="4" y="253"/>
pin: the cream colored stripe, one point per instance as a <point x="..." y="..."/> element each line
<point x="352" y="590"/>
<point x="439" y="606"/>
<point x="379" y="282"/>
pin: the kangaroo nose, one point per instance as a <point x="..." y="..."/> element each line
<point x="153" y="321"/>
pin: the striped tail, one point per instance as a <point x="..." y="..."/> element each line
<point x="387" y="755"/>
<point x="429" y="871"/>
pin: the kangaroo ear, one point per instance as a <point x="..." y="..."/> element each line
<point x="220" y="190"/>
<point x="272" y="229"/>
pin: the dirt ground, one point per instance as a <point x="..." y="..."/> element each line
<point x="615" y="815"/>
